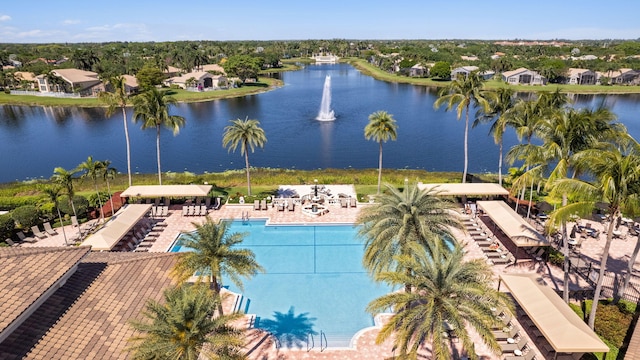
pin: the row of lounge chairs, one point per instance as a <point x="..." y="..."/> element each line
<point x="494" y="251"/>
<point x="37" y="234"/>
<point x="513" y="344"/>
<point x="151" y="237"/>
<point x="194" y="210"/>
<point x="160" y="211"/>
<point x="260" y="205"/>
<point x="348" y="202"/>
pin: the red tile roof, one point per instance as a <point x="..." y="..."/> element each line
<point x="87" y="317"/>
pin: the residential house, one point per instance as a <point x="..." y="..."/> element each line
<point x="418" y="70"/>
<point x="581" y="76"/>
<point x="621" y="77"/>
<point x="469" y="58"/>
<point x="130" y="84"/>
<point x="27" y="80"/>
<point x="465" y="70"/>
<point x="200" y="80"/>
<point x="71" y="303"/>
<point x="85" y="83"/>
<point x="214" y="67"/>
<point x="497" y="55"/>
<point x="172" y="71"/>
<point x="523" y="76"/>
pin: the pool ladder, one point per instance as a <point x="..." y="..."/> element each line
<point x="311" y="341"/>
<point x="245" y="217"/>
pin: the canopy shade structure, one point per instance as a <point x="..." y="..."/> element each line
<point x="513" y="225"/>
<point x="564" y="330"/>
<point x="115" y="229"/>
<point x="157" y="191"/>
<point x="468" y="189"/>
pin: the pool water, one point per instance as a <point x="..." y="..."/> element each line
<point x="314" y="282"/>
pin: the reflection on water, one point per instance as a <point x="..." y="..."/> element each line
<point x="40" y="138"/>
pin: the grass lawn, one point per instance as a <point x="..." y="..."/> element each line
<point x="263" y="85"/>
<point x="375" y="72"/>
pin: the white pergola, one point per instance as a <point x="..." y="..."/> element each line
<point x="117" y="227"/>
<point x="158" y="191"/>
<point x="559" y="324"/>
<point x="467" y="189"/>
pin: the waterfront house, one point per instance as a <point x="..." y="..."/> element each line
<point x="200" y="80"/>
<point x="523" y="76"/>
<point x="84" y="83"/>
<point x="577" y="76"/>
<point x="465" y="70"/>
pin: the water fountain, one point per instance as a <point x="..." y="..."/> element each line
<point x="326" y="114"/>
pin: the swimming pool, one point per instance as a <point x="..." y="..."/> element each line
<point x="314" y="282"/>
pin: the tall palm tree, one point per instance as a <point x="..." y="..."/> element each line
<point x="247" y="134"/>
<point x="183" y="327"/>
<point x="215" y="254"/>
<point x="53" y="193"/>
<point x="463" y="92"/>
<point x="93" y="170"/>
<point x="616" y="170"/>
<point x="65" y="179"/>
<point x="381" y="128"/>
<point x="152" y="109"/>
<point x="399" y="219"/>
<point x="449" y="293"/>
<point x="500" y="103"/>
<point x="118" y="99"/>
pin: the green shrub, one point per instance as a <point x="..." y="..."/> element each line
<point x="93" y="199"/>
<point x="26" y="216"/>
<point x="612" y="324"/>
<point x="79" y="202"/>
<point x="9" y="203"/>
<point x="556" y="257"/>
<point x="627" y="307"/>
<point x="7" y="225"/>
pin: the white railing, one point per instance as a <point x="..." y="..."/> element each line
<point x="48" y="94"/>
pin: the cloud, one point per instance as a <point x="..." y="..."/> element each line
<point x="71" y="22"/>
<point x="5" y="17"/>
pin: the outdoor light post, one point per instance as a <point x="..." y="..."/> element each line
<point x="315" y="188"/>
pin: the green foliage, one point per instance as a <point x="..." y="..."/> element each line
<point x="149" y="76"/>
<point x="93" y="198"/>
<point x="612" y="324"/>
<point x="243" y="66"/>
<point x="556" y="257"/>
<point x="79" y="202"/>
<point x="441" y="70"/>
<point x="7" y="224"/>
<point x="26" y="216"/>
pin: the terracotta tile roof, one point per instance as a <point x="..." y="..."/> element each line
<point x="27" y="273"/>
<point x="87" y="317"/>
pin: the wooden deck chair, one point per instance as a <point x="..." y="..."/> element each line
<point x="25" y="238"/>
<point x="36" y="231"/>
<point x="49" y="230"/>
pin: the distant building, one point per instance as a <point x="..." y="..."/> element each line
<point x="200" y="80"/>
<point x="326" y="59"/>
<point x="84" y="83"/>
<point x="523" y="76"/>
<point x="465" y="70"/>
<point x="577" y="76"/>
<point x="621" y="77"/>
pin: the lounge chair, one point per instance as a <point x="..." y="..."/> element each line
<point x="263" y="204"/>
<point x="36" y="231"/>
<point x="281" y="206"/>
<point x="25" y="238"/>
<point x="353" y="202"/>
<point x="528" y="356"/>
<point x="203" y="210"/>
<point x="256" y="204"/>
<point x="344" y="203"/>
<point x="292" y="206"/>
<point x="513" y="347"/>
<point x="165" y="211"/>
<point x="194" y="210"/>
<point x="185" y="209"/>
<point x="504" y="335"/>
<point x="10" y="242"/>
<point x="48" y="229"/>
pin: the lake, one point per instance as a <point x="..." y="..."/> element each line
<point x="36" y="139"/>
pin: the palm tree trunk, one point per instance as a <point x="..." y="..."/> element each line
<point x="466" y="146"/>
<point x="630" y="264"/>
<point x="73" y="207"/>
<point x="603" y="266"/>
<point x="500" y="165"/>
<point x="126" y="136"/>
<point x="158" y="153"/>
<point x="380" y="168"/>
<point x="95" y="184"/>
<point x="246" y="162"/>
<point x="565" y="252"/>
<point x="216" y="290"/>
<point x="530" y="199"/>
<point x="64" y="234"/>
<point x="110" y="197"/>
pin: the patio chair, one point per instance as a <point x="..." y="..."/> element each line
<point x="48" y="229"/>
<point x="165" y="211"/>
<point x="519" y="345"/>
<point x="353" y="202"/>
<point x="185" y="209"/>
<point x="25" y="238"/>
<point x="10" y="242"/>
<point x="263" y="204"/>
<point x="203" y="210"/>
<point x="281" y="206"/>
<point x="292" y="206"/>
<point x="530" y="355"/>
<point x="344" y="203"/>
<point x="256" y="204"/>
<point x="36" y="231"/>
<point x="504" y="335"/>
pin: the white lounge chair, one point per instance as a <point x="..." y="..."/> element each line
<point x="25" y="238"/>
<point x="353" y="202"/>
<point x="49" y="230"/>
<point x="36" y="231"/>
<point x="256" y="204"/>
<point x="185" y="210"/>
<point x="203" y="210"/>
<point x="165" y="211"/>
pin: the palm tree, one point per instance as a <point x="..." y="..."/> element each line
<point x="183" y="326"/>
<point x="449" y="294"/>
<point x="500" y="103"/>
<point x="399" y="219"/>
<point x="616" y="170"/>
<point x="152" y="109"/>
<point x="381" y="128"/>
<point x="54" y="193"/>
<point x="109" y="173"/>
<point x="65" y="179"/>
<point x="247" y="134"/>
<point x="118" y="99"/>
<point x="215" y="255"/>
<point x="93" y="170"/>
<point x="463" y="92"/>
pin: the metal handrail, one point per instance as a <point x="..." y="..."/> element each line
<point x="326" y="343"/>
<point x="313" y="344"/>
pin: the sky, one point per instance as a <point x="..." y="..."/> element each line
<point x="44" y="21"/>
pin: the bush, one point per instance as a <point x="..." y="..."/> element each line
<point x="612" y="324"/>
<point x="26" y="216"/>
<point x="7" y="225"/>
<point x="79" y="202"/>
<point x="93" y="199"/>
<point x="556" y="257"/>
